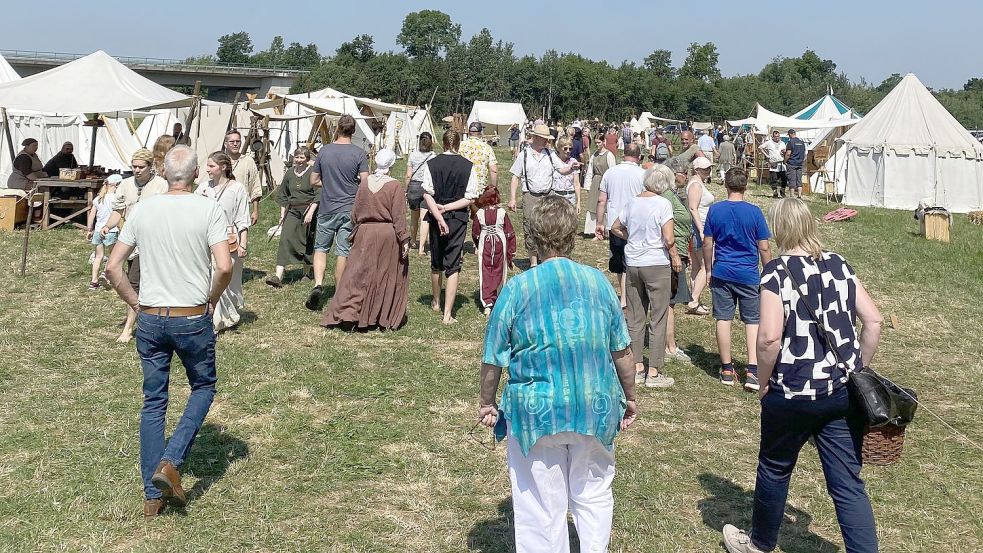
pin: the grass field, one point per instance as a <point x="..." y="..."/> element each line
<point x="331" y="441"/>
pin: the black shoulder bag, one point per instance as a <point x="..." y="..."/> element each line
<point x="883" y="402"/>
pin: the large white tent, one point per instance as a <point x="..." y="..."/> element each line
<point x="909" y="148"/>
<point x="497" y="117"/>
<point x="115" y="143"/>
<point x="96" y="83"/>
<point x="765" y="121"/>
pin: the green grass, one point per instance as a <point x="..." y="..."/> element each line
<point x="330" y="441"/>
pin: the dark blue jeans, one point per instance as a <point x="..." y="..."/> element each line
<point x="786" y="425"/>
<point x="158" y="339"/>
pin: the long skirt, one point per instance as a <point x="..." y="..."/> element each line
<point x="232" y="301"/>
<point x="296" y="240"/>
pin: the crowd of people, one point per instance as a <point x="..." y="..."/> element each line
<point x="574" y="346"/>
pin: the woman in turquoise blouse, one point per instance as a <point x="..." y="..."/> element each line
<point x="560" y="331"/>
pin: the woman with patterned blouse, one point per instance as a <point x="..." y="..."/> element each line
<point x="803" y="383"/>
<point x="559" y="330"/>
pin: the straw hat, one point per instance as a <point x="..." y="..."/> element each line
<point x="542" y="131"/>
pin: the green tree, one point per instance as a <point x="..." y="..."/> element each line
<point x="234" y="48"/>
<point x="660" y="63"/>
<point x="888" y="84"/>
<point x="701" y="62"/>
<point x="306" y="57"/>
<point x="427" y="33"/>
<point x="359" y="49"/>
<point x="271" y="57"/>
<point x="973" y="85"/>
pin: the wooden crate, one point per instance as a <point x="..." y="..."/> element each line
<point x="935" y="226"/>
<point x="12" y="212"/>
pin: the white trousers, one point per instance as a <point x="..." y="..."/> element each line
<point x="590" y="223"/>
<point x="566" y="471"/>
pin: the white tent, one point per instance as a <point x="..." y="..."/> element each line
<point x="114" y="146"/>
<point x="909" y="148"/>
<point x="96" y="83"/>
<point x="48" y="106"/>
<point x="649" y="120"/>
<point x="497" y="117"/>
<point x="765" y="121"/>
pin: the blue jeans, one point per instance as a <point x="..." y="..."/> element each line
<point x="786" y="425"/>
<point x="158" y="339"/>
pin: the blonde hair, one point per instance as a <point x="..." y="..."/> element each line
<point x="563" y="142"/>
<point x="553" y="227"/>
<point x="104" y="189"/>
<point x="658" y="179"/>
<point x="794" y="227"/>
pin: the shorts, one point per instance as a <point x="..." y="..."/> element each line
<point x="794" y="177"/>
<point x="728" y="295"/>
<point x="570" y="196"/>
<point x="333" y="229"/>
<point x="679" y="285"/>
<point x="414" y="195"/>
<point x="697" y="237"/>
<point x="109" y="240"/>
<point x="133" y="273"/>
<point x="616" y="263"/>
<point x="446" y="251"/>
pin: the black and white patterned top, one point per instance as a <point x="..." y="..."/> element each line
<point x="806" y="368"/>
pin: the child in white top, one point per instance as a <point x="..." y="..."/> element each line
<point x="102" y="208"/>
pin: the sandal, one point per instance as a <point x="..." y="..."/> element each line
<point x="700" y="309"/>
<point x="273" y="281"/>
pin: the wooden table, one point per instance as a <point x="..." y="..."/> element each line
<point x="80" y="207"/>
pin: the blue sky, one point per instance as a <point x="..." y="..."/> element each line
<point x="939" y="41"/>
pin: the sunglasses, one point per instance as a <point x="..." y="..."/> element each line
<point x="567" y="149"/>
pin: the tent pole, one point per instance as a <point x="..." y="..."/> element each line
<point x="6" y="131"/>
<point x="92" y="147"/>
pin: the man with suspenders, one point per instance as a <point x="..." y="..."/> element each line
<point x="535" y="166"/>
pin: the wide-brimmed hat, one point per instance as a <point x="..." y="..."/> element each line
<point x="542" y="131"/>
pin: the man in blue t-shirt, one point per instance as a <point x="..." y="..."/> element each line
<point x="795" y="159"/>
<point x="735" y="239"/>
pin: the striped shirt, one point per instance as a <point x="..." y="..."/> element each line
<point x="554" y="327"/>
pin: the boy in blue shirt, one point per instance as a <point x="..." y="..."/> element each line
<point x="735" y="240"/>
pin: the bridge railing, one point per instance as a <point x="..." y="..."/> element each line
<point x="162" y="63"/>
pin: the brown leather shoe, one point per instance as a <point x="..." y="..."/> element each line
<point x="168" y="480"/>
<point x="152" y="508"/>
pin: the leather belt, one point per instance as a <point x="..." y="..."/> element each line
<point x="564" y="192"/>
<point x="175" y="311"/>
<point x="539" y="194"/>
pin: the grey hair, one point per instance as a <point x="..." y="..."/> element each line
<point x="180" y="165"/>
<point x="676" y="165"/>
<point x="658" y="179"/>
<point x="553" y="227"/>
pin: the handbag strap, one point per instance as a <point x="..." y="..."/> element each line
<point x="824" y="333"/>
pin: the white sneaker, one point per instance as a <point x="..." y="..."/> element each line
<point x="679" y="355"/>
<point x="659" y="381"/>
<point x="737" y="541"/>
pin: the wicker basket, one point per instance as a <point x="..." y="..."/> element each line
<point x="69" y="174"/>
<point x="883" y="445"/>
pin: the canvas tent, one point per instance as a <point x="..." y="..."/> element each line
<point x="497" y="117"/>
<point x="115" y="143"/>
<point x="48" y="106"/>
<point x="648" y="120"/>
<point x="909" y="148"/>
<point x="765" y="121"/>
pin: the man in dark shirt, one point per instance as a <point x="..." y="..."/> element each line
<point x="795" y="157"/>
<point x="64" y="159"/>
<point x="341" y="167"/>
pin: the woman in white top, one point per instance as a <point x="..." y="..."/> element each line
<point x="698" y="199"/>
<point x="419" y="228"/>
<point x="650" y="256"/>
<point x="234" y="199"/>
<point x="567" y="186"/>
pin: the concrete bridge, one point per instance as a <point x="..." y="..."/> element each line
<point x="220" y="82"/>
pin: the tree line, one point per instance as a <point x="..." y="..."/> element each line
<point x="437" y="67"/>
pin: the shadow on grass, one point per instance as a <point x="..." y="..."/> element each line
<point x="729" y="503"/>
<point x="497" y="535"/>
<point x="709" y="361"/>
<point x="459" y="300"/>
<point x="211" y="455"/>
<point x="252" y="274"/>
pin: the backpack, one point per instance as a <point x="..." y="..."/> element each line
<point x="662" y="151"/>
